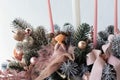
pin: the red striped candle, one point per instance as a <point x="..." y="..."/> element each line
<point x="115" y="16"/>
<point x="50" y="16"/>
<point x="95" y="22"/>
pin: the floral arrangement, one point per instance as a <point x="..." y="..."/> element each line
<point x="66" y="54"/>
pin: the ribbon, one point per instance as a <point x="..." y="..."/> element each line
<point x="116" y="63"/>
<point x="94" y="57"/>
<point x="99" y="61"/>
<point x="60" y="55"/>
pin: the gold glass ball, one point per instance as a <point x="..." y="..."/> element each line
<point x="82" y="44"/>
<point x="19" y="35"/>
<point x="17" y="56"/>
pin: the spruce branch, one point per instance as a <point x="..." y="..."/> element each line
<point x="28" y="54"/>
<point x="108" y="73"/>
<point x="110" y="29"/>
<point x="81" y="34"/>
<point x="15" y="66"/>
<point x="103" y="35"/>
<point x="57" y="28"/>
<point x="69" y="30"/>
<point x="18" y="23"/>
<point x="39" y="37"/>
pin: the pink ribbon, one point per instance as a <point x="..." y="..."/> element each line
<point x="99" y="61"/>
<point x="116" y="63"/>
<point x="60" y="55"/>
<point x="94" y="57"/>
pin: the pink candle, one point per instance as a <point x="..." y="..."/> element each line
<point x="115" y="16"/>
<point x="50" y="16"/>
<point x="95" y="22"/>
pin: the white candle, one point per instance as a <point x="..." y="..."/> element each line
<point x="76" y="12"/>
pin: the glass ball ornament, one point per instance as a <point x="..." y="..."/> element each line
<point x="33" y="60"/>
<point x="18" y="54"/>
<point x="18" y="51"/>
<point x="19" y="35"/>
<point x="82" y="44"/>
